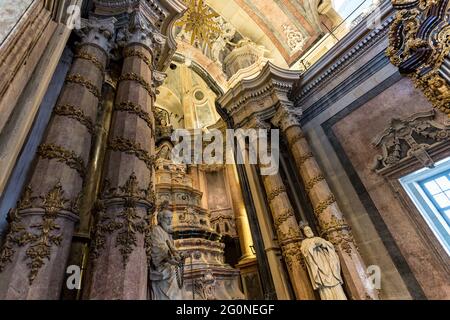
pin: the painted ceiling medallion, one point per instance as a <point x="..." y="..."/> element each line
<point x="199" y="21"/>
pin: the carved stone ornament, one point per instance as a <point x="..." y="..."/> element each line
<point x="40" y="237"/>
<point x="140" y="31"/>
<point x="419" y="45"/>
<point x="409" y="138"/>
<point x="128" y="222"/>
<point x="98" y="32"/>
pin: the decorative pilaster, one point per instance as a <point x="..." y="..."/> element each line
<point x="35" y="254"/>
<point x="331" y="220"/>
<point x="119" y="253"/>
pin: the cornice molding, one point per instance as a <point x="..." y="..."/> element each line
<point x="260" y="94"/>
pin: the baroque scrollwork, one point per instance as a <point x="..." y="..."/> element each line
<point x="419" y="45"/>
<point x="408" y="138"/>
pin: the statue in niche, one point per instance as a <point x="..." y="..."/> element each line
<point x="166" y="262"/>
<point x="323" y="266"/>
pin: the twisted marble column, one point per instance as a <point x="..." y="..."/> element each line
<point x="331" y="220"/>
<point x="34" y="256"/>
<point x="119" y="251"/>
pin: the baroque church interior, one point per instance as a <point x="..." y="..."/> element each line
<point x="354" y="92"/>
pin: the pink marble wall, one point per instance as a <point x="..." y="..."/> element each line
<point x="355" y="135"/>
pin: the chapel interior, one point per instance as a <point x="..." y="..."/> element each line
<point x="92" y="92"/>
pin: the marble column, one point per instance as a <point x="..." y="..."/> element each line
<point x="242" y="224"/>
<point x="289" y="236"/>
<point x="35" y="253"/>
<point x="329" y="216"/>
<point x="119" y="266"/>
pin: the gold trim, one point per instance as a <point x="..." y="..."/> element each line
<point x="283" y="217"/>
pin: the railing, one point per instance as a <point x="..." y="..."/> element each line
<point x="360" y="14"/>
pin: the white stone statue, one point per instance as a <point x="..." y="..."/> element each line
<point x="323" y="266"/>
<point x="166" y="262"/>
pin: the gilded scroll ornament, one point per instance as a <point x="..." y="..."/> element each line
<point x="51" y="151"/>
<point x="419" y="46"/>
<point x="77" y="114"/>
<point x="79" y="79"/>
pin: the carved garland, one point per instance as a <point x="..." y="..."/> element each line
<point x="87" y="56"/>
<point x="77" y="114"/>
<point x="51" y="151"/>
<point x="282" y="217"/>
<point x="134" y="77"/>
<point x="275" y="193"/>
<point x="311" y="183"/>
<point x="79" y="79"/>
<point x="419" y="46"/>
<point x="323" y="205"/>
<point x="304" y="158"/>
<point x="136" y="53"/>
<point x="133" y="108"/>
<point x="127" y="146"/>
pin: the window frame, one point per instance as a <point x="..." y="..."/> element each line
<point x="413" y="184"/>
